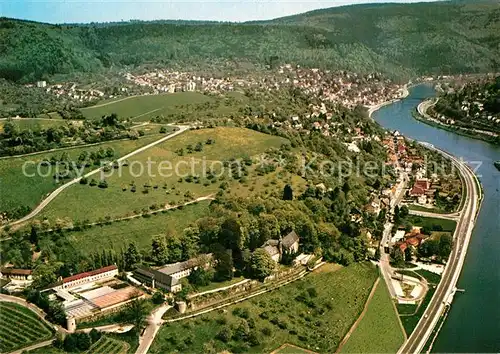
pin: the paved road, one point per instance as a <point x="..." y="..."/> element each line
<point x="446" y="287"/>
<point x="55" y="193"/>
<point x="427" y="214"/>
<point x="154" y="324"/>
<point x="33" y="347"/>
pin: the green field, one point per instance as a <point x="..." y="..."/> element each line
<point x="139" y="230"/>
<point x="313" y="313"/>
<point x="107" y="345"/>
<point x="429" y="210"/>
<point x="20" y="327"/>
<point x="81" y="202"/>
<point x="37" y="124"/>
<point x="18" y="190"/>
<point x="379" y="331"/>
<point x="184" y="105"/>
<point x="448" y="225"/>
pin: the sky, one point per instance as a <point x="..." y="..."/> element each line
<point x="71" y="11"/>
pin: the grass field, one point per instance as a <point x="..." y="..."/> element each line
<point x="139" y="230"/>
<point x="429" y="210"/>
<point x="81" y="202"/>
<point x="291" y="349"/>
<point x="313" y="313"/>
<point x="20" y="327"/>
<point x="143" y="108"/>
<point x="379" y="331"/>
<point x="448" y="225"/>
<point x="18" y="189"/>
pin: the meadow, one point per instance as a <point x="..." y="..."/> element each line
<point x="379" y="331"/>
<point x="313" y="313"/>
<point x="447" y="225"/>
<point x="130" y="192"/>
<point x="181" y="104"/>
<point x="18" y="189"/>
<point x="37" y="124"/>
<point x="20" y="327"/>
<point x="140" y="230"/>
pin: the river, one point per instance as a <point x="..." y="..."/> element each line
<point x="473" y="323"/>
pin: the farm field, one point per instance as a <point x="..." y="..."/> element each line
<point x="107" y="345"/>
<point x="379" y="331"/>
<point x="143" y="108"/>
<point x="20" y="327"/>
<point x="313" y="313"/>
<point x="18" y="189"/>
<point x="139" y="230"/>
<point x="130" y="191"/>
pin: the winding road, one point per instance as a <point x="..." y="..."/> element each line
<point x="55" y="193"/>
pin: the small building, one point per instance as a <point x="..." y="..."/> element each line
<point x="286" y="245"/>
<point x="41" y="84"/>
<point x="168" y="276"/>
<point x="16" y="274"/>
<point x="100" y="274"/>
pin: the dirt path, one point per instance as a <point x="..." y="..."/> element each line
<point x="355" y="325"/>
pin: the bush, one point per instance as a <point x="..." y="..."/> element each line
<point x="266" y="331"/>
<point x="84" y="180"/>
<point x="241" y="312"/>
<point x="158" y="298"/>
<point x="225" y="334"/>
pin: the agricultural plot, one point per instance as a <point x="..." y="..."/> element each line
<point x="379" y="331"/>
<point x="140" y="230"/>
<point x="146" y="107"/>
<point x="19" y="327"/>
<point x="146" y="183"/>
<point x="107" y="345"/>
<point x="38" y="124"/>
<point x="27" y="187"/>
<point x="313" y="313"/>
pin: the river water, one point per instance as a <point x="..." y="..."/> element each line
<point x="473" y="324"/>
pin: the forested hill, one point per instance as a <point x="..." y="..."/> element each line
<point x="400" y="40"/>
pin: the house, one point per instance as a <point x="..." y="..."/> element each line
<point x="286" y="245"/>
<point x="420" y="187"/>
<point x="16" y="274"/>
<point x="41" y="84"/>
<point x="100" y="274"/>
<point x="168" y="277"/>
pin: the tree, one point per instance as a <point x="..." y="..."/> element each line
<point x="95" y="335"/>
<point x="408" y="254"/>
<point x="159" y="251"/>
<point x="261" y="264"/>
<point x="45" y="274"/>
<point x="223" y="263"/>
<point x="131" y="256"/>
<point x="287" y="192"/>
<point x="377" y="253"/>
<point x="200" y="277"/>
<point x="158" y="298"/>
<point x="56" y="313"/>
<point x="445" y="246"/>
<point x="397" y="256"/>
<point x="136" y="313"/>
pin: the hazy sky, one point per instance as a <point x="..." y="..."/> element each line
<point x="59" y="11"/>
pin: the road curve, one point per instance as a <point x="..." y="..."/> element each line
<point x="428" y="214"/>
<point x="55" y="193"/>
<point x="445" y="289"/>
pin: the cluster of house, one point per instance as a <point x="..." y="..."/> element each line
<point x="404" y="240"/>
<point x="91" y="294"/>
<point x="71" y="91"/>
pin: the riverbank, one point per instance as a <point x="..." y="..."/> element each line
<point x="372" y="109"/>
<point x="422" y="116"/>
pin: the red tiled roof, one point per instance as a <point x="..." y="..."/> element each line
<point x="416" y="190"/>
<point x="89" y="274"/>
<point x="413" y="241"/>
<point x="422" y="183"/>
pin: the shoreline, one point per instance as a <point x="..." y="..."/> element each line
<point x="423" y="117"/>
<point x="373" y="108"/>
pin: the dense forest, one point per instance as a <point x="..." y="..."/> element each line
<point x="398" y="40"/>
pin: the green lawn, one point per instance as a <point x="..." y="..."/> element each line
<point x="20" y="327"/>
<point x="313" y="313"/>
<point x="448" y="225"/>
<point x="18" y="189"/>
<point x="215" y="285"/>
<point x="146" y="107"/>
<point x="139" y="230"/>
<point x="36" y="124"/>
<point x="81" y="202"/>
<point x="379" y="331"/>
<point x="429" y="210"/>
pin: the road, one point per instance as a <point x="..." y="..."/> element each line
<point x="449" y="279"/>
<point x="427" y="214"/>
<point x="154" y="324"/>
<point x="58" y="191"/>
